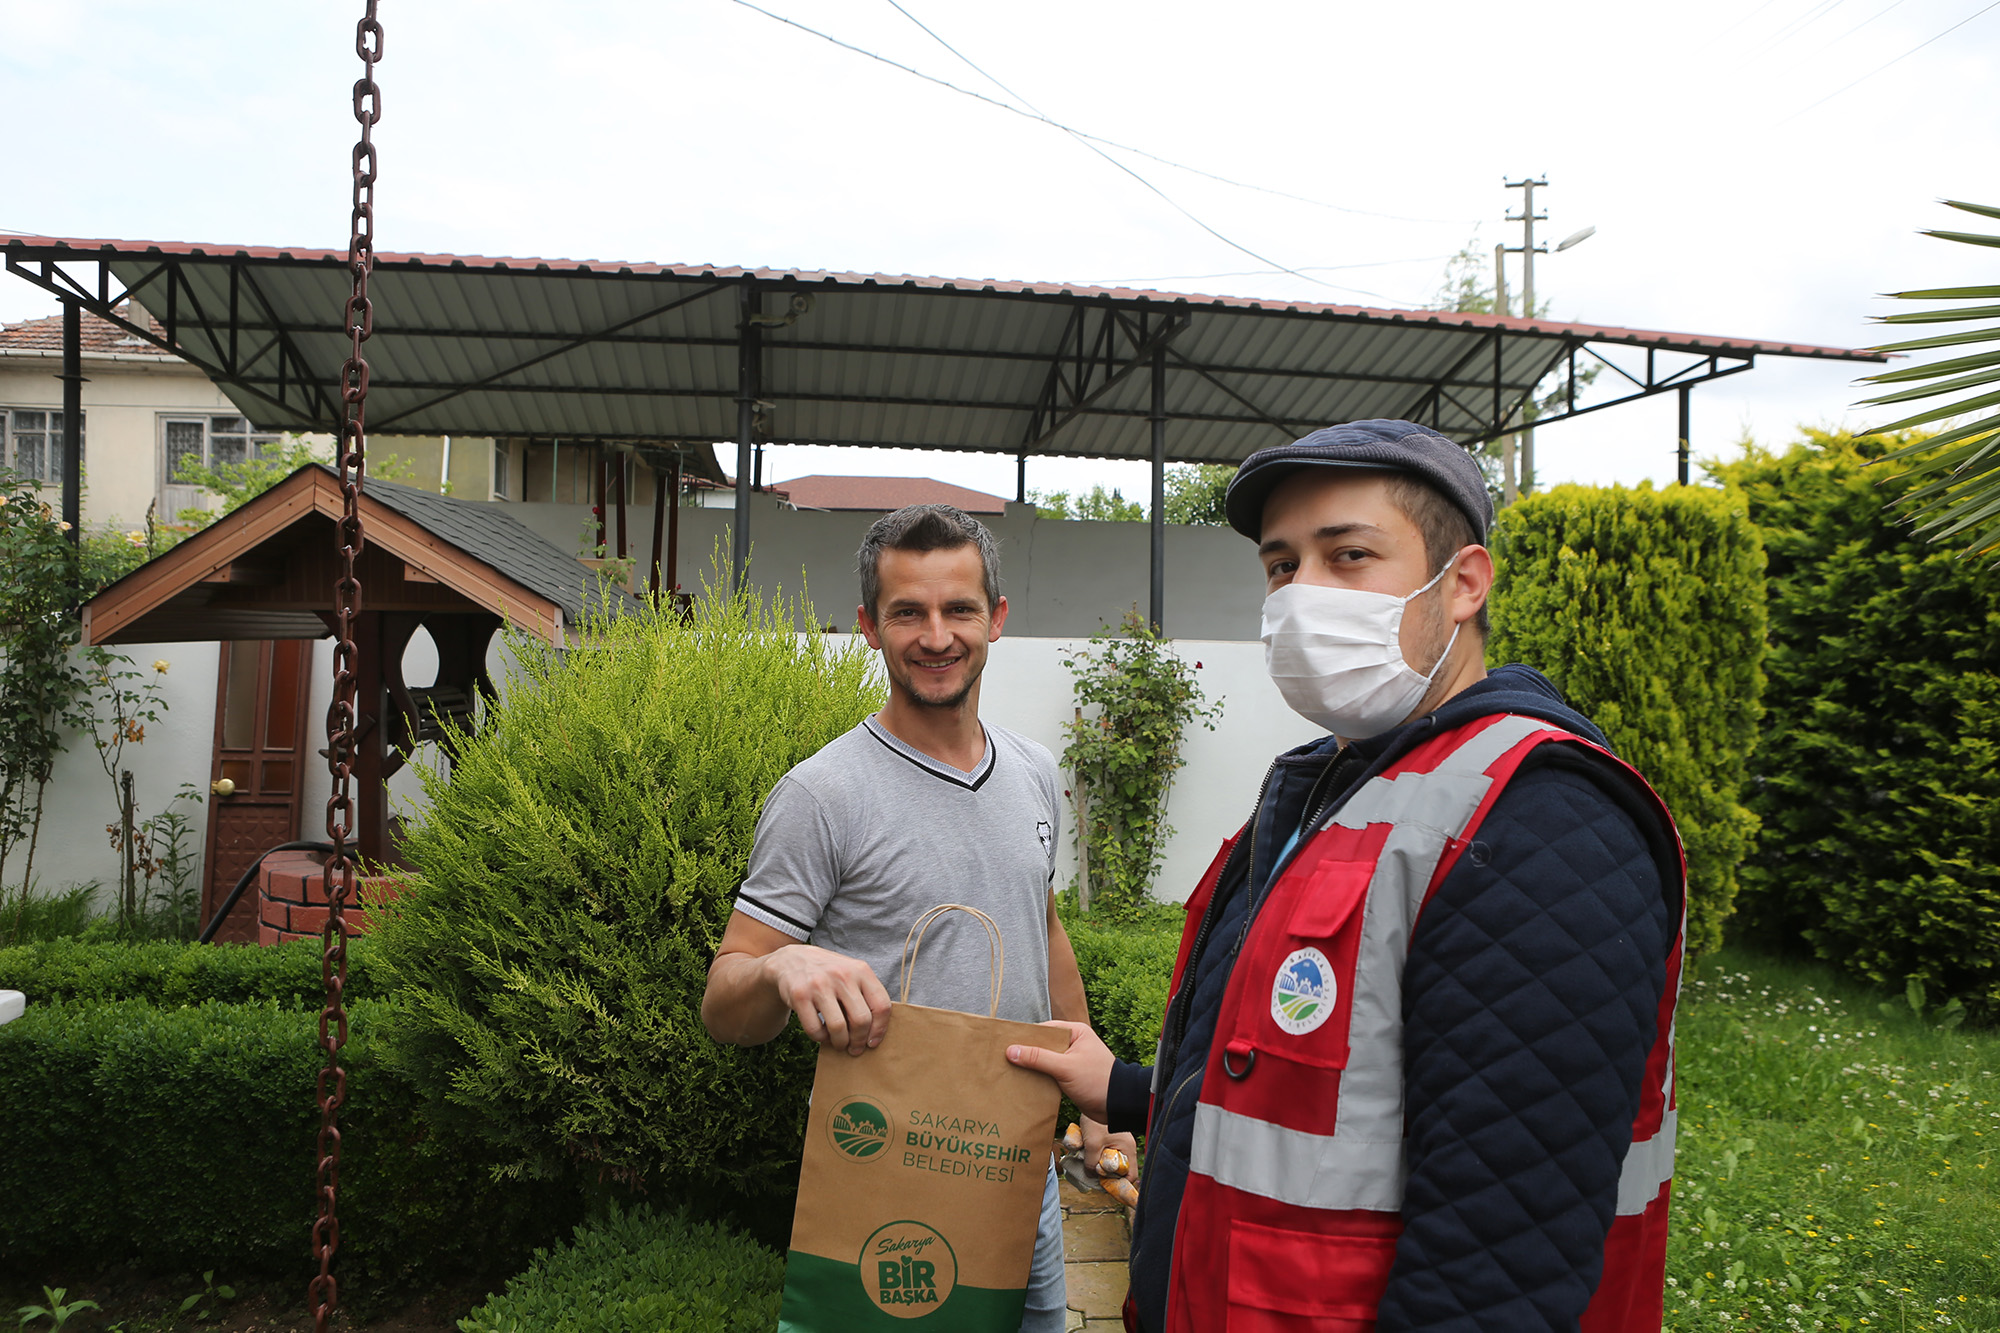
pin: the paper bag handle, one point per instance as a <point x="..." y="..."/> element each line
<point x="996" y="951"/>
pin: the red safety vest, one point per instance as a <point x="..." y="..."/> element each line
<point x="1295" y="1183"/>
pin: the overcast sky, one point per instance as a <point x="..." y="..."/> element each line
<point x="1739" y="185"/>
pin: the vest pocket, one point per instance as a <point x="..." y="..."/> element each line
<point x="1282" y="1281"/>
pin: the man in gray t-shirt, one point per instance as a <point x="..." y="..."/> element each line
<point x="919" y="805"/>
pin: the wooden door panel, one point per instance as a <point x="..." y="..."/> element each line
<point x="260" y="734"/>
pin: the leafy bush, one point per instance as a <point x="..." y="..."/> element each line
<point x="170" y="974"/>
<point x="1646" y="608"/>
<point x="572" y="879"/>
<point x="1137" y="697"/>
<point x="1126" y="967"/>
<point x="1879" y="777"/>
<point x="183" y="1138"/>
<point x="641" y="1272"/>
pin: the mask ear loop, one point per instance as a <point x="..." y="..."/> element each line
<point x="1450" y="643"/>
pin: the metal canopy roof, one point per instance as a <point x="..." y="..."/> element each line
<point x="471" y="345"/>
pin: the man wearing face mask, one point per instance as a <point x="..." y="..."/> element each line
<point x="1416" y="1068"/>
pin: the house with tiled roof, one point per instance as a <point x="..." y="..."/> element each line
<point x="882" y="494"/>
<point x="147" y="413"/>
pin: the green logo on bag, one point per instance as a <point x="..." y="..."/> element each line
<point x="859" y="1129"/>
<point x="908" y="1269"/>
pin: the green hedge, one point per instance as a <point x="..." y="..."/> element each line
<point x="572" y="879"/>
<point x="185" y="1138"/>
<point x="641" y="1272"/>
<point x="1126" y="967"/>
<point x="1879" y="777"/>
<point x="1646" y="608"/>
<point x="170" y="974"/>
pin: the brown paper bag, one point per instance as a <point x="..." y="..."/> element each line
<point x="921" y="1189"/>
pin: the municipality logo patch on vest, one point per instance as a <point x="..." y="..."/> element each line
<point x="859" y="1129"/>
<point x="1302" y="996"/>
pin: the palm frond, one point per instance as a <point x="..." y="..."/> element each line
<point x="1953" y="477"/>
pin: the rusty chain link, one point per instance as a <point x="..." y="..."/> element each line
<point x="341" y="719"/>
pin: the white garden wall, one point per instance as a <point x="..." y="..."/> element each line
<point x="1026" y="688"/>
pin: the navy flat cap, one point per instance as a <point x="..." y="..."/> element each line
<point x="1395" y="446"/>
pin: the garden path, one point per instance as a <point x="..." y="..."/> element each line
<point x="1097" y="1236"/>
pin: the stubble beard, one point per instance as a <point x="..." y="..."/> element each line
<point x="956" y="699"/>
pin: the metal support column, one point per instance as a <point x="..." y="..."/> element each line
<point x="72" y="431"/>
<point x="1159" y="510"/>
<point x="1021" y="479"/>
<point x="748" y="349"/>
<point x="1687" y="393"/>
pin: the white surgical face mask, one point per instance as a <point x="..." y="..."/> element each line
<point x="1336" y="655"/>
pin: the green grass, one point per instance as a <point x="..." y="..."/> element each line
<point x="1837" y="1158"/>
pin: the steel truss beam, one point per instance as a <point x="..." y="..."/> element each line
<point x="1086" y="366"/>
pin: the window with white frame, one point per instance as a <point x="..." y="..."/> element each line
<point x="499" y="470"/>
<point x="211" y="441"/>
<point x="31" y="443"/>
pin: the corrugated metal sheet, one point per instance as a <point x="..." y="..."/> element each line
<point x="474" y="345"/>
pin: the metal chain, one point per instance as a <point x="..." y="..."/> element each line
<point x="324" y="1293"/>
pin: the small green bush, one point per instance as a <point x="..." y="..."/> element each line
<point x="169" y="974"/>
<point x="641" y="1272"/>
<point x="1127" y="965"/>
<point x="572" y="879"/>
<point x="184" y="1139"/>
<point x="1879" y="777"/>
<point x="1646" y="608"/>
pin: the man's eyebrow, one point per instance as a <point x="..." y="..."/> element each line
<point x="1332" y="532"/>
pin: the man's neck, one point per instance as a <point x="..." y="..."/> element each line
<point x="949" y="735"/>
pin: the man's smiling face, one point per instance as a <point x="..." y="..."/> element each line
<point x="932" y="623"/>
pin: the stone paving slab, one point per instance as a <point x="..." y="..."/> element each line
<point x="1096" y="1238"/>
<point x="1097" y="1290"/>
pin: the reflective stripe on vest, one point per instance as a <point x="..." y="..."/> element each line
<point x="1361" y="1164"/>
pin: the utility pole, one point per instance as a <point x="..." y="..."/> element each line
<point x="1509" y="492"/>
<point x="1528" y="250"/>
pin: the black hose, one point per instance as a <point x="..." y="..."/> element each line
<point x="215" y="922"/>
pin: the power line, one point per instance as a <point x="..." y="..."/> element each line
<point x="1083" y="134"/>
<point x="1859" y="26"/>
<point x="1898" y="60"/>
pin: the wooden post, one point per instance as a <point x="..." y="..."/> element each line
<point x="624" y="475"/>
<point x="674" y="529"/>
<point x="659" y="529"/>
<point x="371" y="742"/>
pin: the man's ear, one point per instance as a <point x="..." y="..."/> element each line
<point x="999" y="619"/>
<point x="1472" y="582"/>
<point x="869" y="630"/>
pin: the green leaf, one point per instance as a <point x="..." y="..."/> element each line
<point x="1983" y="210"/>
<point x="1965" y="237"/>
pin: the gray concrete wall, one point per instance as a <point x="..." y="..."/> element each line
<point x="1062" y="578"/>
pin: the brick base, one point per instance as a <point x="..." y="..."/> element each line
<point x="291" y="898"/>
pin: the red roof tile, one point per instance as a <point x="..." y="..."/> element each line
<point x="886" y="493"/>
<point x="98" y="335"/>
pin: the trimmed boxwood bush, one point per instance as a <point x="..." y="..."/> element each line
<point x="184" y="1138"/>
<point x="641" y="1272"/>
<point x="1646" y="608"/>
<point x="1126" y="966"/>
<point x="572" y="878"/>
<point x="171" y="974"/>
<point x="1879" y="776"/>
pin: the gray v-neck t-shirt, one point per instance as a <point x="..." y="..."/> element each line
<point x="860" y="840"/>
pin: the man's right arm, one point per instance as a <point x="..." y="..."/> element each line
<point x="762" y="976"/>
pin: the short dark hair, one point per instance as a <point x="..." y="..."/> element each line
<point x="1445" y="527"/>
<point x="925" y="528"/>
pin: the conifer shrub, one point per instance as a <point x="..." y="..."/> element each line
<point x="1878" y="780"/>
<point x="572" y="877"/>
<point x="1646" y="608"/>
<point x="639" y="1271"/>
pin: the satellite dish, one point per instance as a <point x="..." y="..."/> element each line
<point x="1576" y="238"/>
